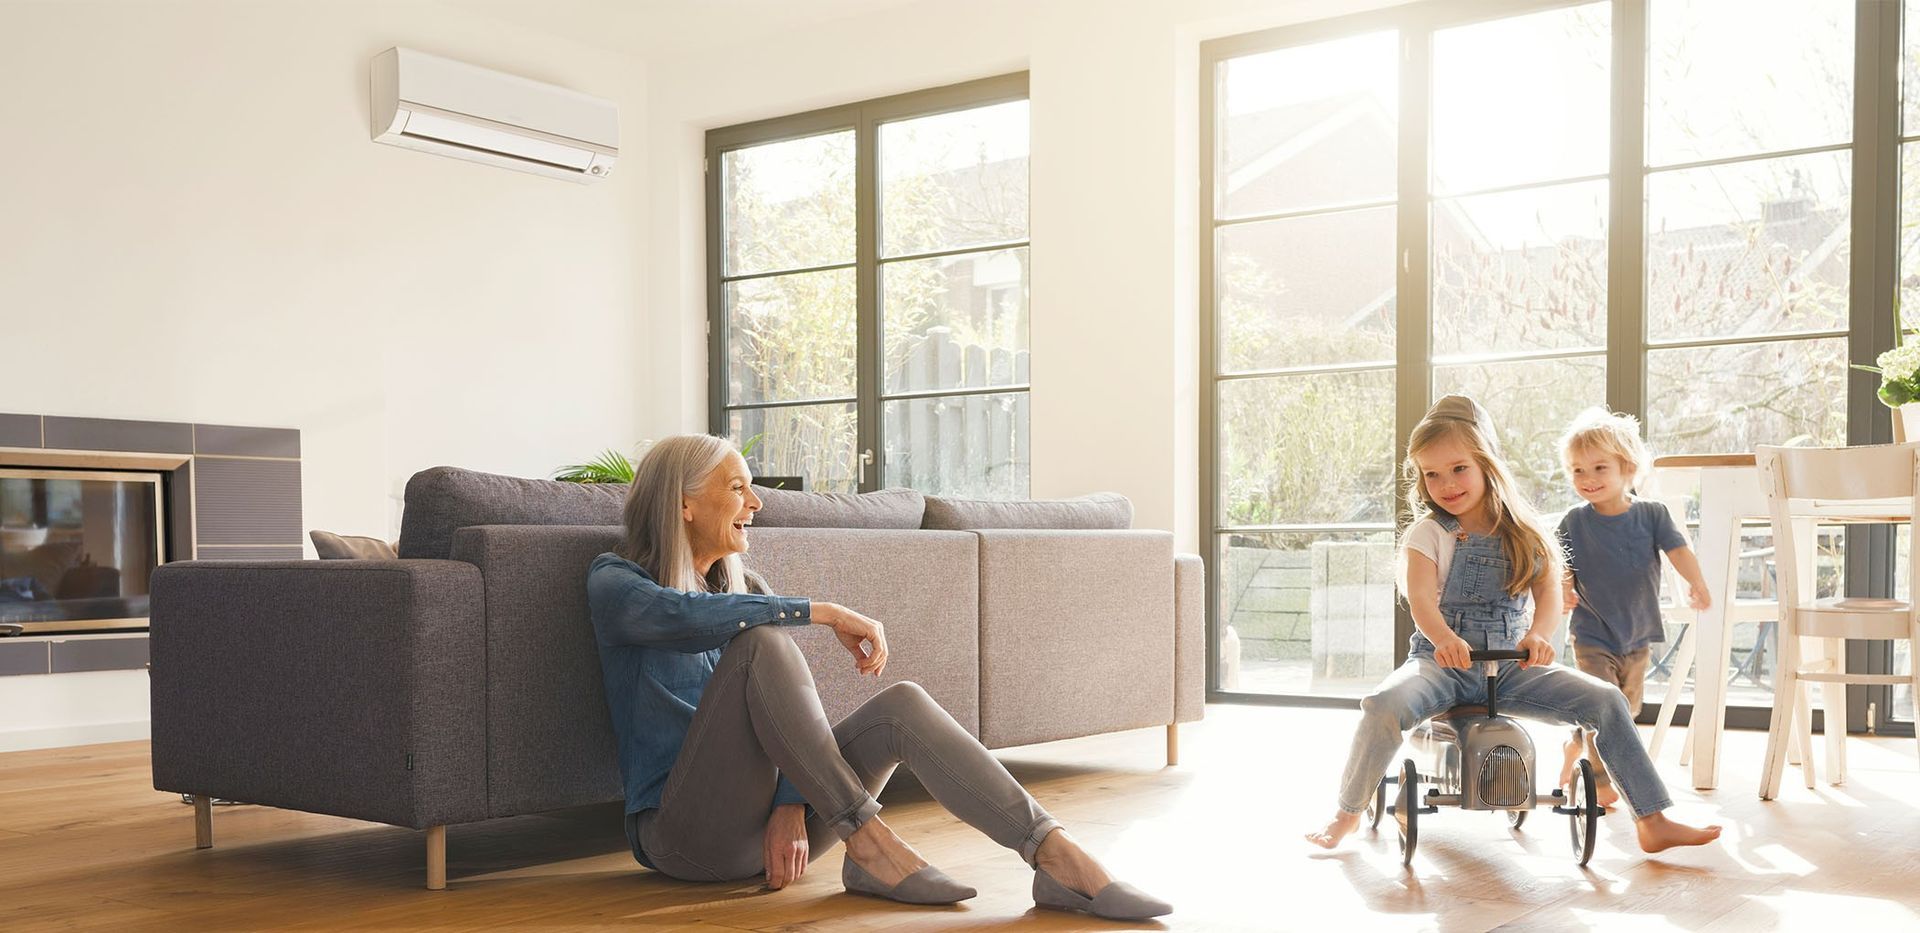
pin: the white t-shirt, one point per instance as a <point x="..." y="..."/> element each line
<point x="1427" y="537"/>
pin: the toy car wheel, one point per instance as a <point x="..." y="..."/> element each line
<point x="1406" y="811"/>
<point x="1517" y="818"/>
<point x="1584" y="813"/>
<point x="1378" y="805"/>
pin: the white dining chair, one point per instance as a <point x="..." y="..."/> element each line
<point x="1667" y="488"/>
<point x="1808" y="485"/>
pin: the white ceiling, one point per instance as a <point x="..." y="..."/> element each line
<point x="659" y="28"/>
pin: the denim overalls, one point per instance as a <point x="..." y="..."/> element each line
<point x="1475" y="604"/>
<point x="1474" y="601"/>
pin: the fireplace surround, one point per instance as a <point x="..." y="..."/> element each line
<point x="219" y="492"/>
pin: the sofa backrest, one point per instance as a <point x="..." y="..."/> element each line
<point x="445" y="499"/>
<point x="1099" y="511"/>
<point x="885" y="508"/>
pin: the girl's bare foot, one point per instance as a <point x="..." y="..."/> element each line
<point x="1337" y="829"/>
<point x="1657" y="833"/>
<point x="1606" y="795"/>
<point x="1060" y="856"/>
<point x="885" y="856"/>
<point x="1573" y="748"/>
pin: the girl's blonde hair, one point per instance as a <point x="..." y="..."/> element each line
<point x="1610" y="434"/>
<point x="672" y="470"/>
<point x="1529" y="555"/>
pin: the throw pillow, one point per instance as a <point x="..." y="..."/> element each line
<point x="331" y="546"/>
<point x="1100" y="510"/>
<point x="887" y="508"/>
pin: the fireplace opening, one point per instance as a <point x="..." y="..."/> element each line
<point x="78" y="548"/>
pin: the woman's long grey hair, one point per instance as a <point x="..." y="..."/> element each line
<point x="671" y="470"/>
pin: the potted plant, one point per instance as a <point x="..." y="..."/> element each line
<point x="612" y="466"/>
<point x="1899" y="372"/>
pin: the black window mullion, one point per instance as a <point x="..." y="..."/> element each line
<point x="868" y="455"/>
<point x="1875" y="276"/>
<point x="717" y="376"/>
<point x="1413" y="324"/>
<point x="1627" y="213"/>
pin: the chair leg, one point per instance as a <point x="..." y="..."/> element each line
<point x="1786" y="697"/>
<point x="436" y="858"/>
<point x="1913" y="672"/>
<point x="1803" y="726"/>
<point x="1173" y="744"/>
<point x="1676" y="681"/>
<point x="1833" y="704"/>
<point x="202" y="822"/>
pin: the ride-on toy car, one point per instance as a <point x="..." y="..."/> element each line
<point x="1477" y="759"/>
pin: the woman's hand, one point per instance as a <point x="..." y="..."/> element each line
<point x="1539" y="650"/>
<point x="1453" y="651"/>
<point x="786" y="844"/>
<point x="855" y="630"/>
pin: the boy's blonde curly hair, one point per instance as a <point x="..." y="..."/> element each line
<point x="1610" y="434"/>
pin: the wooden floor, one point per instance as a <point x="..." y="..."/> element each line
<point x="86" y="843"/>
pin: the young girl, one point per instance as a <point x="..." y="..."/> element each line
<point x="1613" y="585"/>
<point x="1469" y="564"/>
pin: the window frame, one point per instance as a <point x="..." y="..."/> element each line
<point x="1872" y="278"/>
<point x="864" y="118"/>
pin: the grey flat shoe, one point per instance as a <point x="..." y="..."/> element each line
<point x="929" y="885"/>
<point x="1116" y="901"/>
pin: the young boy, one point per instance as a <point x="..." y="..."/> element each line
<point x="1613" y="543"/>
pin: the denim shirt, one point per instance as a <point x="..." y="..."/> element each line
<point x="658" y="647"/>
<point x="1475" y="601"/>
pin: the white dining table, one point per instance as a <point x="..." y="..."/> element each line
<point x="1730" y="493"/>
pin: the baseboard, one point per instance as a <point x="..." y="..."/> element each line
<point x="18" y="740"/>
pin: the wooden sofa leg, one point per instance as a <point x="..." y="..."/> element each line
<point x="436" y="858"/>
<point x="202" y="821"/>
<point x="1173" y="744"/>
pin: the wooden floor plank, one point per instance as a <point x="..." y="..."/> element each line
<point x="88" y="843"/>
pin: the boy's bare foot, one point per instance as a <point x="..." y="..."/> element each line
<point x="1337" y="829"/>
<point x="1657" y="833"/>
<point x="1606" y="795"/>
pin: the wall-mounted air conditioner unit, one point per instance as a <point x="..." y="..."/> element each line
<point x="434" y="104"/>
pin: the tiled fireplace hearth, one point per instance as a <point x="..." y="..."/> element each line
<point x="86" y="504"/>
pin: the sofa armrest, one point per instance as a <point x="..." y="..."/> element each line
<point x="1077" y="633"/>
<point x="1189" y="637"/>
<point x="345" y="687"/>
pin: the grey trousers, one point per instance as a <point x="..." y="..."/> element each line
<point x="760" y="717"/>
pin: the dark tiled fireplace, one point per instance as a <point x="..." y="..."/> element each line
<point x="89" y="506"/>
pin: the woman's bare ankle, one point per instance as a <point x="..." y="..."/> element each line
<point x="1061" y="856"/>
<point x="878" y="849"/>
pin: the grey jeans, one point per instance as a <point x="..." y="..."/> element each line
<point x="760" y="717"/>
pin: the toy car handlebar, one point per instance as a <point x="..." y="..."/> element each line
<point x="1503" y="654"/>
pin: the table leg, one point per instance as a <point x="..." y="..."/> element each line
<point x="1719" y="545"/>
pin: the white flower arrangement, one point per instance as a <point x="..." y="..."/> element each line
<point x="1899" y="371"/>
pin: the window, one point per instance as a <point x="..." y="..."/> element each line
<point x="1652" y="204"/>
<point x="868" y="271"/>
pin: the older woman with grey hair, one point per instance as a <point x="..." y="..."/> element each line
<point x="731" y="768"/>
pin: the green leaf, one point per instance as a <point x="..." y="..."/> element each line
<point x="612" y="466"/>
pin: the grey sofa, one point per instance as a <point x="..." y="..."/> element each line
<point x="461" y="682"/>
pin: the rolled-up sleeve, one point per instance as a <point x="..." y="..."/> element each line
<point x="629" y="608"/>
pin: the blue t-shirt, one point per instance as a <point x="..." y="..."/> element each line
<point x="1616" y="573"/>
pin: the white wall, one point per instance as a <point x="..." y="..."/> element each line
<point x="194" y="226"/>
<point x="1114" y="209"/>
